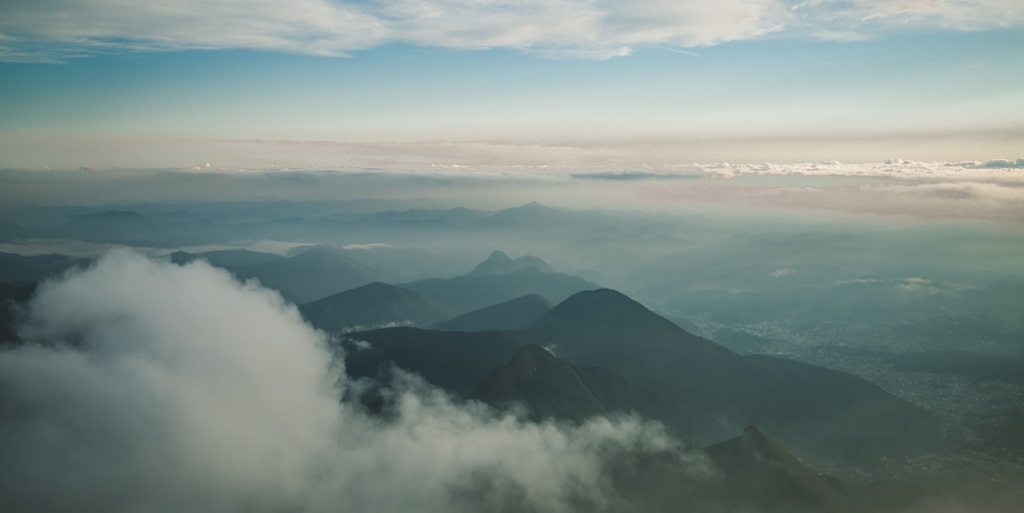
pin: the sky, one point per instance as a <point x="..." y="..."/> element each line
<point x="336" y="84"/>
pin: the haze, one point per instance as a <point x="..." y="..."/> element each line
<point x="381" y="256"/>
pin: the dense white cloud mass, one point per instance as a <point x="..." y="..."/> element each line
<point x="584" y="28"/>
<point x="152" y="387"/>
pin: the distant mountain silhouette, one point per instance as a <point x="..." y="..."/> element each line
<point x="310" y="275"/>
<point x="122" y="226"/>
<point x="368" y="306"/>
<point x="22" y="269"/>
<point x="226" y="258"/>
<point x="509" y="315"/>
<point x="500" y="263"/>
<point x="531" y="215"/>
<point x="462" y="294"/>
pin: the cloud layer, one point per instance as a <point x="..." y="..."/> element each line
<point x="152" y="387"/>
<point x="58" y="30"/>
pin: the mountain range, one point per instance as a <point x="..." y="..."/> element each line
<point x="606" y="353"/>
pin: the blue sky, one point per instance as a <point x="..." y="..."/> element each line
<point x="104" y="84"/>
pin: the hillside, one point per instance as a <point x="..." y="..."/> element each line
<point x="509" y="315"/>
<point x="374" y="304"/>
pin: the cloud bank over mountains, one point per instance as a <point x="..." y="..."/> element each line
<point x="153" y="387"/>
<point x="991" y="190"/>
<point x="35" y="31"/>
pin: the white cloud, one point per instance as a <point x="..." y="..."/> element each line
<point x="909" y="284"/>
<point x="783" y="272"/>
<point x="576" y="28"/>
<point x="152" y="387"/>
<point x="895" y="168"/>
<point x="366" y="246"/>
<point x="1000" y="164"/>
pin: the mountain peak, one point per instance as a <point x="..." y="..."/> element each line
<point x="508" y="315"/>
<point x="373" y="304"/>
<point x="599" y="303"/>
<point x="500" y="263"/>
<point x="498" y="256"/>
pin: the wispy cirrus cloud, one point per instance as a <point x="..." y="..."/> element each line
<point x="41" y="31"/>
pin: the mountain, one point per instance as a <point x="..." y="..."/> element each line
<point x="820" y="411"/>
<point x="371" y="305"/>
<point x="16" y="268"/>
<point x="750" y="473"/>
<point x="453" y="361"/>
<point x="310" y="275"/>
<point x="226" y="258"/>
<point x="509" y="315"/>
<point x="11" y="231"/>
<point x="463" y="294"/>
<point x="552" y="388"/>
<point x="613" y="354"/>
<point x="500" y="263"/>
<point x="761" y="475"/>
<point x="236" y="257"/>
<point x="527" y="217"/>
<point x="11" y="298"/>
<point x="829" y="412"/>
<point x="119" y="226"/>
<point x="604" y="328"/>
<point x="404" y="263"/>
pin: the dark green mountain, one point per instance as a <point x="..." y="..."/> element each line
<point x="761" y="475"/>
<point x="311" y="275"/>
<point x="613" y="354"/>
<point x="817" y="410"/>
<point x="509" y="315"/>
<point x="28" y="269"/>
<point x="371" y="305"/>
<point x="552" y="388"/>
<point x="11" y="298"/>
<point x="453" y="361"/>
<point x="604" y="328"/>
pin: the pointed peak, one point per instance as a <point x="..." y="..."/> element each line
<point x="753" y="433"/>
<point x="501" y="263"/>
<point x="606" y="307"/>
<point x="497" y="255"/>
<point x="599" y="296"/>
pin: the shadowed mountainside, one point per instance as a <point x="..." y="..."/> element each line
<point x="509" y="315"/>
<point x="371" y="305"/>
<point x="609" y="346"/>
<point x="463" y="294"/>
<point x="813" y="408"/>
<point x="313" y="274"/>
